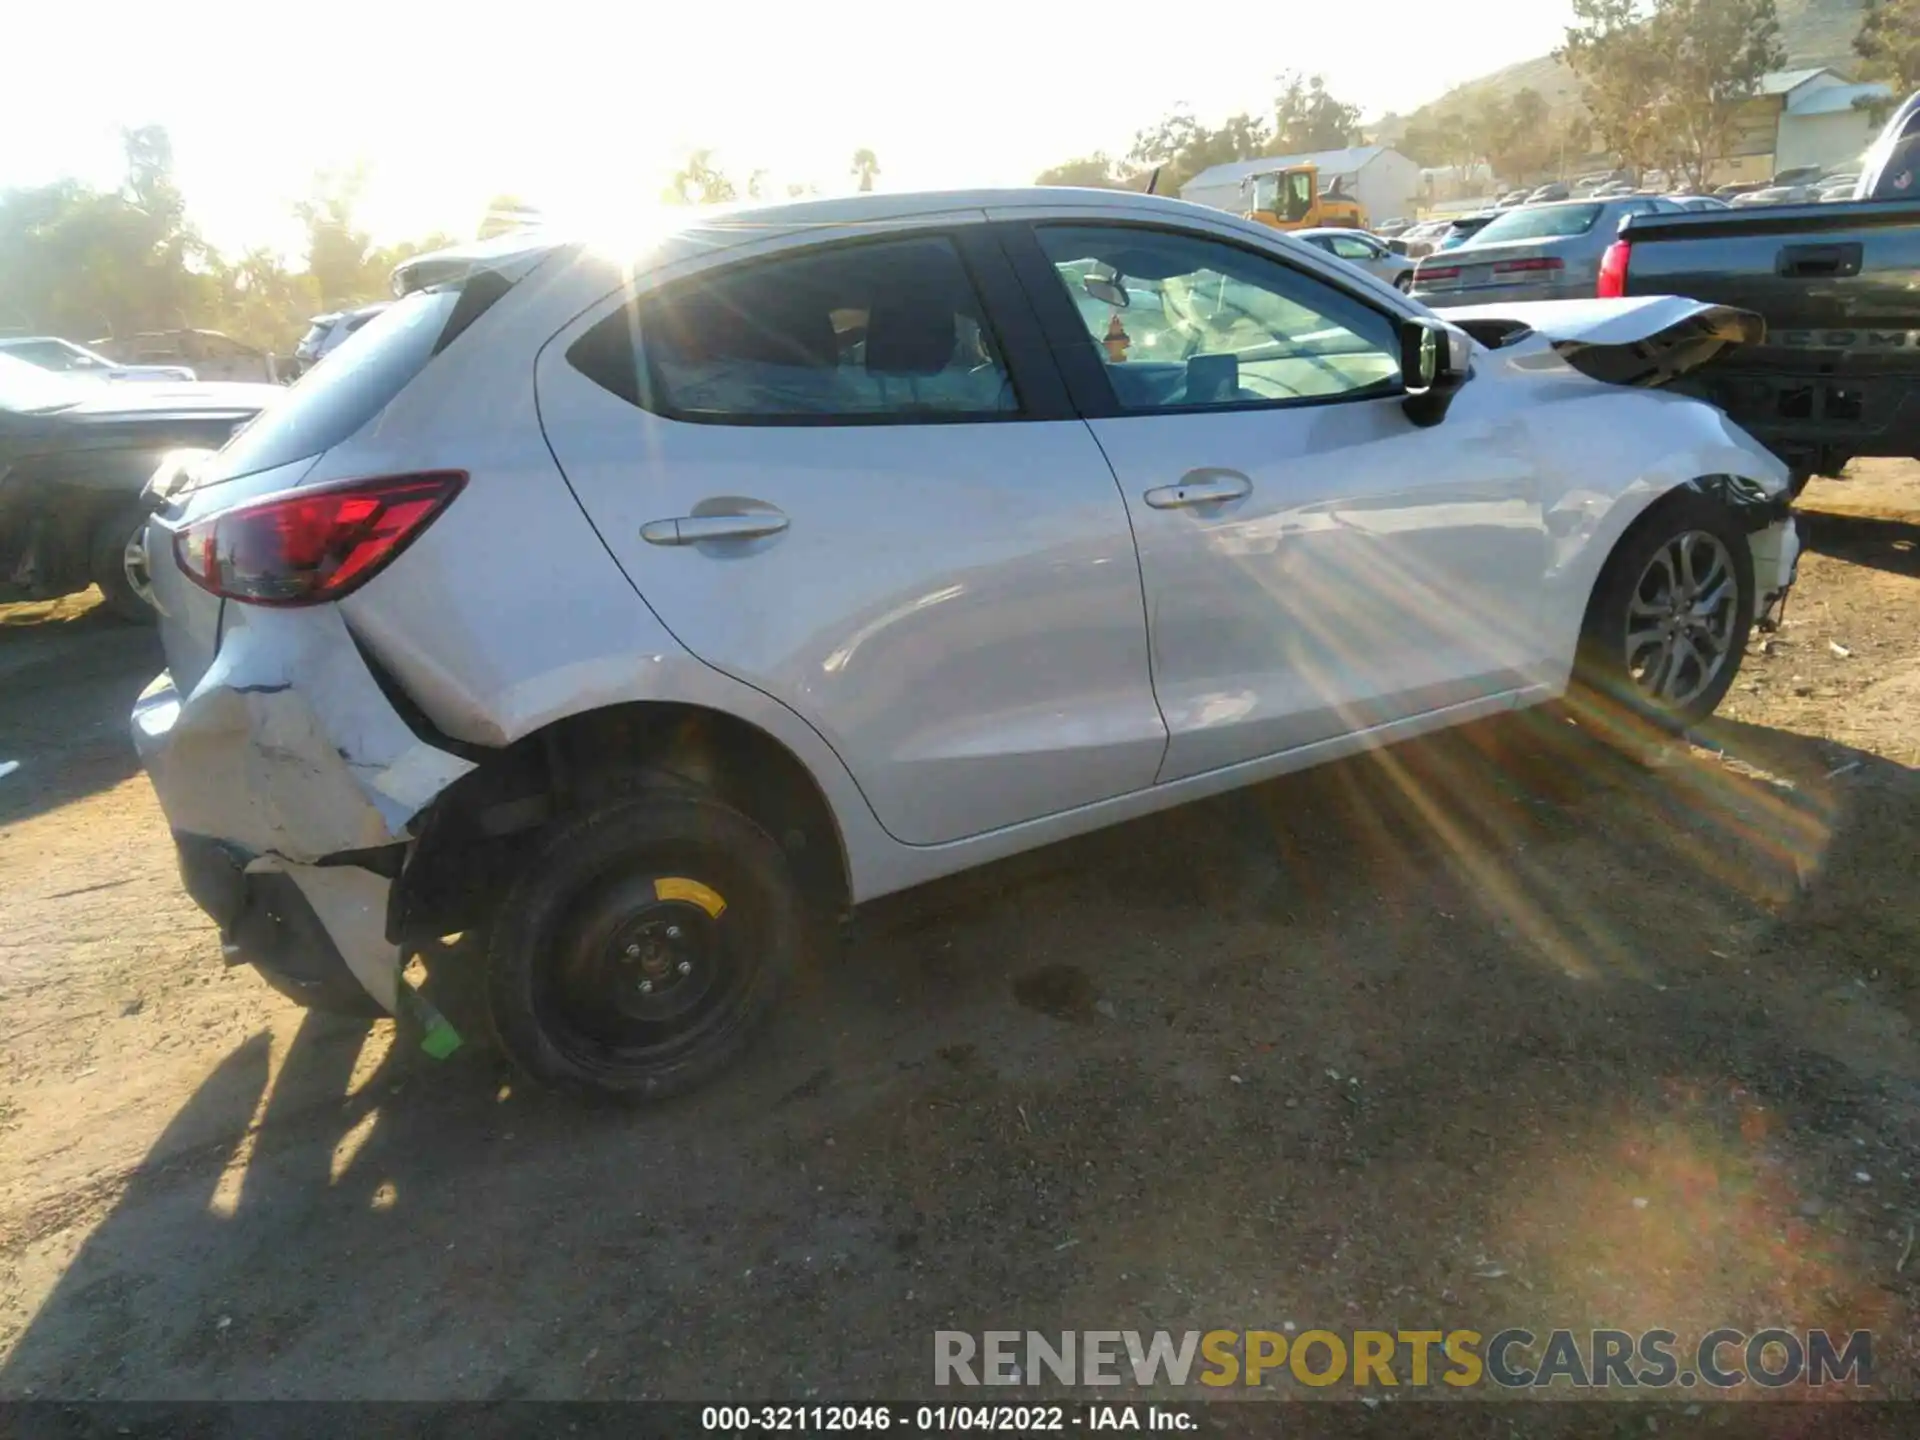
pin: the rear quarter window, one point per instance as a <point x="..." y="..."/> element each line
<point x="336" y="399"/>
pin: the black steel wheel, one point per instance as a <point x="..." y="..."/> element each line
<point x="642" y="945"/>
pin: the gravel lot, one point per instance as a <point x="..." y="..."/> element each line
<point x="1492" y="1029"/>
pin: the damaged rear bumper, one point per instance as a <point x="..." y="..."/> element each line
<point x="289" y="779"/>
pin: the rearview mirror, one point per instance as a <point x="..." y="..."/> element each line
<point x="1107" y="292"/>
<point x="1435" y="361"/>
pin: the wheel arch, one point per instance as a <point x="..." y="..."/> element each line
<point x="1742" y="495"/>
<point x="469" y="841"/>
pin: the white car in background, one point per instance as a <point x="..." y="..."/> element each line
<point x="326" y="333"/>
<point x="64" y="357"/>
<point x="637" y="611"/>
<point x="1368" y="251"/>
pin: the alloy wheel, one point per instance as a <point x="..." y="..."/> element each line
<point x="1681" y="619"/>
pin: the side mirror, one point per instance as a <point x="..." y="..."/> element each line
<point x="1107" y="292"/>
<point x="1435" y="361"/>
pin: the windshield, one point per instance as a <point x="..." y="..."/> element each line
<point x="27" y="389"/>
<point x="1548" y="222"/>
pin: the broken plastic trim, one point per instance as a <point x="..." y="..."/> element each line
<point x="1673" y="352"/>
<point x="1746" y="499"/>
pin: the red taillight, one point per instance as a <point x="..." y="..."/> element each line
<point x="1436" y="272"/>
<point x="1533" y="266"/>
<point x="1613" y="270"/>
<point x="309" y="546"/>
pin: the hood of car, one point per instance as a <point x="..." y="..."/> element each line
<point x="1643" y="340"/>
<point x="159" y="398"/>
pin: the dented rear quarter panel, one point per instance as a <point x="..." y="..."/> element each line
<point x="286" y="746"/>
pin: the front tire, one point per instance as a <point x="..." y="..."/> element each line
<point x="642" y="946"/>
<point x="1670" y="619"/>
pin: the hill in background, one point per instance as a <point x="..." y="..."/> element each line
<point x="1812" y="32"/>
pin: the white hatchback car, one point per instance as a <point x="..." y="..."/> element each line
<point x="629" y="611"/>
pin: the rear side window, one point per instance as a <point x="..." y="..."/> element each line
<point x="334" y="400"/>
<point x="877" y="333"/>
<point x="1545" y="222"/>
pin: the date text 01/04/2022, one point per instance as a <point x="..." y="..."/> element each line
<point x="943" y="1419"/>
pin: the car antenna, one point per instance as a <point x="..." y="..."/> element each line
<point x="1153" y="180"/>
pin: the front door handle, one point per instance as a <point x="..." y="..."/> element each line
<point x="1201" y="487"/>
<point x="692" y="529"/>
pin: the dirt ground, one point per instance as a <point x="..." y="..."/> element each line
<point x="1492" y="1029"/>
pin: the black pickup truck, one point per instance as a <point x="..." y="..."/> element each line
<point x="1838" y="374"/>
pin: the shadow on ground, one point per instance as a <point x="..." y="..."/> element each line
<point x="1880" y="542"/>
<point x="1492" y="1029"/>
<point x="69" y="674"/>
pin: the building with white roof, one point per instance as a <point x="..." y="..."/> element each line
<point x="1385" y="182"/>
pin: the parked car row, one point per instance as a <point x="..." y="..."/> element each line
<point x="1537" y="252"/>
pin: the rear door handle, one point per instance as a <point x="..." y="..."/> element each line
<point x="692" y="529"/>
<point x="1201" y="487"/>
<point x="1809" y="261"/>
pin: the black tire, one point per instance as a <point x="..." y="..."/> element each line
<point x="1403" y="282"/>
<point x="107" y="565"/>
<point x="1611" y="677"/>
<point x="642" y="945"/>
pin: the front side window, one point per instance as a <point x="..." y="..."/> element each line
<point x="1184" y="322"/>
<point x="1349" y="248"/>
<point x="889" y="331"/>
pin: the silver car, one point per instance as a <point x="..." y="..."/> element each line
<point x="1368" y="251"/>
<point x="1541" y="252"/>
<point x="632" y="611"/>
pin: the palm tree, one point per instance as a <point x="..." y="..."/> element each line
<point x="866" y="165"/>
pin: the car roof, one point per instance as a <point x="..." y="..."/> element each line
<point x="1314" y="230"/>
<point x="790" y="216"/>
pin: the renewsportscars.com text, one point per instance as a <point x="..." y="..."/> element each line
<point x="1512" y="1359"/>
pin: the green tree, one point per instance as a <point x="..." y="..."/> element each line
<point x="1889" y="44"/>
<point x="1664" y="80"/>
<point x="1435" y="139"/>
<point x="88" y="264"/>
<point x="1096" y="171"/>
<point x="699" y="182"/>
<point x="1180" y="147"/>
<point x="1306" y="117"/>
<point x="336" y="245"/>
<point x="1715" y="53"/>
<point x="866" y="165"/>
<point x="1621" y="75"/>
